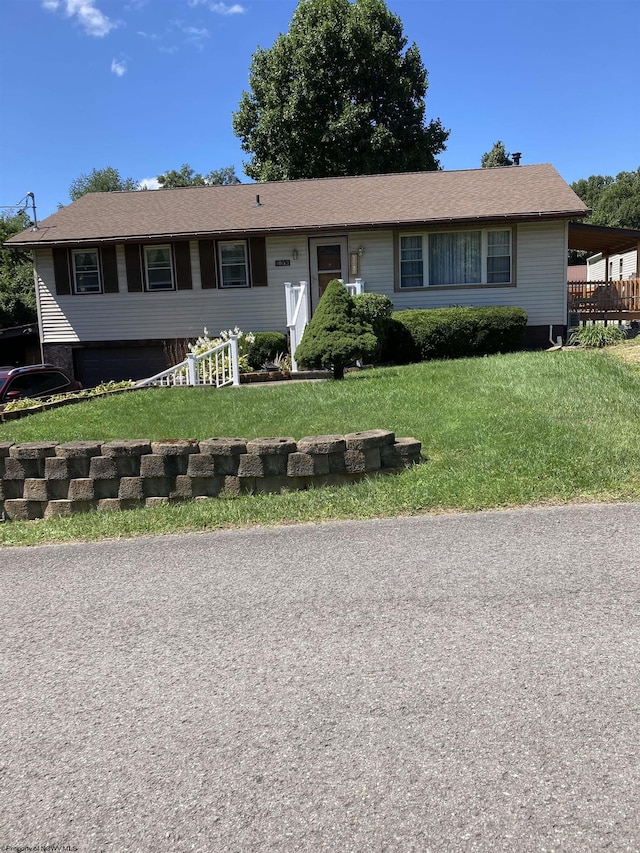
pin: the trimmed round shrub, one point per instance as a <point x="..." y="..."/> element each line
<point x="265" y="347"/>
<point x="336" y="336"/>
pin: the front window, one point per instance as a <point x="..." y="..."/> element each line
<point x="456" y="258"/>
<point x="86" y="271"/>
<point x="159" y="270"/>
<point x="498" y="257"/>
<point x="411" y="268"/>
<point x="233" y="264"/>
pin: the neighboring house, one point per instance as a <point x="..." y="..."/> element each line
<point x="614" y="267"/>
<point x="121" y="274"/>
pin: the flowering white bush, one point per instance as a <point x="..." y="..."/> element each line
<point x="245" y="340"/>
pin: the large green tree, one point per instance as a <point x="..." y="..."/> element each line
<point x="17" y="291"/>
<point x="339" y="94"/>
<point x="613" y="201"/>
<point x="187" y="177"/>
<point x="498" y="156"/>
<point x="106" y="180"/>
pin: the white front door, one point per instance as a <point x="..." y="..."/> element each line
<point x="328" y="260"/>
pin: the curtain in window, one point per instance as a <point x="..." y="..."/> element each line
<point x="455" y="258"/>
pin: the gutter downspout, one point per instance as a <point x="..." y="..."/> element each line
<point x="558" y="340"/>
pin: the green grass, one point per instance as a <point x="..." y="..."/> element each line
<point x="509" y="430"/>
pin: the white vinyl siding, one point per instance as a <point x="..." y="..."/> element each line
<point x="166" y="315"/>
<point x="539" y="267"/>
<point x="624" y="266"/>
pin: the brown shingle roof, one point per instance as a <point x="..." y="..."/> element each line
<point x="437" y="198"/>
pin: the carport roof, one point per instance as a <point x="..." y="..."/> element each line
<point x="600" y="238"/>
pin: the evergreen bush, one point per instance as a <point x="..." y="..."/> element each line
<point x="459" y="332"/>
<point x="336" y="336"/>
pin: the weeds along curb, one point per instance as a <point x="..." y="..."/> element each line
<point x="58" y="404"/>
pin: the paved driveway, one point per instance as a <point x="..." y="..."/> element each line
<point x="451" y="683"/>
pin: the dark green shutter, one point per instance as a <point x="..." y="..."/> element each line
<point x="182" y="255"/>
<point x="109" y="269"/>
<point x="61" y="271"/>
<point x="134" y="269"/>
<point x="208" y="266"/>
<point x="258" y="256"/>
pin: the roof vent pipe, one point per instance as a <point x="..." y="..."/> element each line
<point x="258" y="201"/>
<point x="516" y="157"/>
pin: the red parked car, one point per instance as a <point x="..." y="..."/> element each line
<point x="34" y="380"/>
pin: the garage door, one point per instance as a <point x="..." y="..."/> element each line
<point x="114" y="364"/>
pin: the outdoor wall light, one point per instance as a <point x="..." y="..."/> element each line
<point x="360" y="251"/>
<point x="295" y="254"/>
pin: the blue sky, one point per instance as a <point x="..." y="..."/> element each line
<point x="147" y="85"/>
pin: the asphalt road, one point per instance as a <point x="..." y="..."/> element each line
<point x="450" y="683"/>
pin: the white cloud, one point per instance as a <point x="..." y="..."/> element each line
<point x="119" y="67"/>
<point x="193" y="35"/>
<point x="223" y="9"/>
<point x="219" y="8"/>
<point x="149" y="184"/>
<point x="195" y="32"/>
<point x="91" y="19"/>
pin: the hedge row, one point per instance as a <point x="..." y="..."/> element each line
<point x="422" y="334"/>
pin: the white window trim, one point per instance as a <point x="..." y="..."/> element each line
<point x="74" y="254"/>
<point x="484" y="232"/>
<point x="147" y="284"/>
<point x="245" y="243"/>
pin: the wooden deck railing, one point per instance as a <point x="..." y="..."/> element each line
<point x="605" y="297"/>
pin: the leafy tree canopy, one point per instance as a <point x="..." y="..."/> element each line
<point x="187" y="177"/>
<point x="106" y="180"/>
<point x="17" y="292"/>
<point x="613" y="201"/>
<point x="338" y="94"/>
<point x="496" y="157"/>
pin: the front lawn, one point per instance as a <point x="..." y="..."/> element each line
<point x="498" y="431"/>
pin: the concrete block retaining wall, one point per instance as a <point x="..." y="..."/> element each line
<point x="51" y="480"/>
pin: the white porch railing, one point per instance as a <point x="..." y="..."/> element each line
<point x="354" y="288"/>
<point x="297" y="301"/>
<point x="218" y="366"/>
